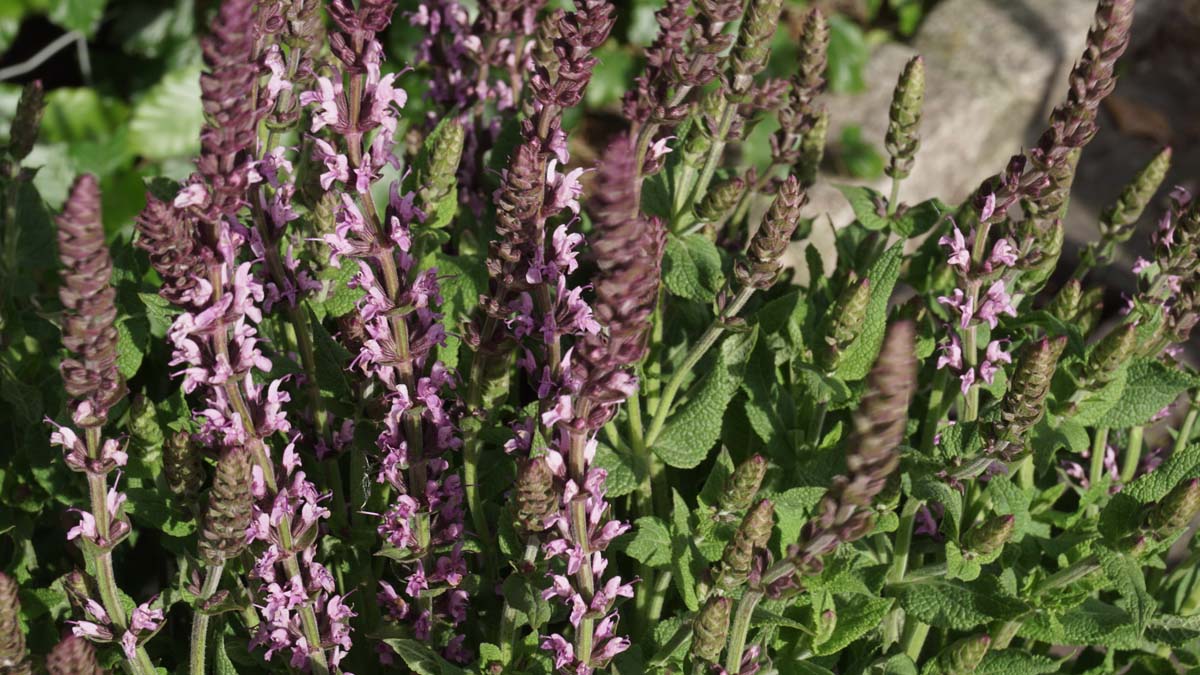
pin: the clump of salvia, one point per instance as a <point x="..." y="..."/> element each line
<point x="440" y="392"/>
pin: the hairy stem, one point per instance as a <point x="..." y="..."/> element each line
<point x="212" y="579"/>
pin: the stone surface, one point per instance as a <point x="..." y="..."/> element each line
<point x="994" y="70"/>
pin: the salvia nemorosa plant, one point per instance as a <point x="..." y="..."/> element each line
<point x="412" y="388"/>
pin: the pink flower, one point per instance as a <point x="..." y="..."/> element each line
<point x="195" y="194"/>
<point x="966" y="380"/>
<point x="278" y="82"/>
<point x="952" y="355"/>
<point x="1140" y="265"/>
<point x="1003" y="255"/>
<point x="960" y="257"/>
<point x="960" y="303"/>
<point x="994" y="356"/>
<point x="996" y="302"/>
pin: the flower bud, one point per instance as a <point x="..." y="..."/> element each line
<point x="436" y="174"/>
<point x="1118" y="220"/>
<point x="812" y="149"/>
<point x="12" y="640"/>
<point x="846" y="317"/>
<point x="754" y="43"/>
<point x="143" y="423"/>
<point x="826" y="625"/>
<point x="710" y="629"/>
<point x="1110" y="354"/>
<point x="965" y="655"/>
<point x="1065" y="304"/>
<point x="76" y="587"/>
<point x="1177" y="509"/>
<point x="27" y="121"/>
<point x="813" y="57"/>
<point x="1091" y="308"/>
<point x="902" y="139"/>
<point x="1025" y="402"/>
<point x="73" y="655"/>
<point x="535" y="495"/>
<point x="230" y="506"/>
<point x="721" y="199"/>
<point x="742" y="486"/>
<point x="753" y="533"/>
<point x="182" y="466"/>
<point x="761" y="264"/>
<point x="1038" y="267"/>
<point x="989" y="536"/>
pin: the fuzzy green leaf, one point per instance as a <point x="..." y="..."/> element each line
<point x="222" y="665"/>
<point x="957" y="605"/>
<point x="919" y="219"/>
<point x="1091" y="623"/>
<point x="147" y="506"/>
<point x="622" y="471"/>
<point x="1150" y="387"/>
<point x="130" y="349"/>
<point x="696" y="425"/>
<point x="692" y="267"/>
<point x="421" y="659"/>
<point x="857" y="615"/>
<point x="860" y="355"/>
<point x="340" y="298"/>
<point x="682" y="553"/>
<point x="651" y="542"/>
<point x="166" y="121"/>
<point x="1013" y="662"/>
<point x="1127" y="577"/>
<point x="867" y="204"/>
<point x="792" y="510"/>
<point x="1095" y="406"/>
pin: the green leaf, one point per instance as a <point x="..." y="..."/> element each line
<point x="159" y="313"/>
<point x="860" y="355"/>
<point x="1091" y="623"/>
<point x="919" y="219"/>
<point x="129" y="347"/>
<point x="1095" y="406"/>
<point x="860" y="158"/>
<point x="331" y="362"/>
<point x="857" y="615"/>
<point x="461" y="283"/>
<point x="221" y="663"/>
<point x="682" y="553"/>
<point x="691" y="431"/>
<point x="848" y="52"/>
<point x="651" y="542"/>
<point x="867" y="205"/>
<point x="622" y="471"/>
<point x="422" y="659"/>
<point x="1128" y="578"/>
<point x="1156" y="484"/>
<point x="166" y="121"/>
<point x="526" y="598"/>
<point x="900" y="664"/>
<point x="1013" y="662"/>
<point x="692" y="267"/>
<point x="77" y="15"/>
<point x="611" y="77"/>
<point x="340" y="298"/>
<point x="957" y="605"/>
<point x="148" y="507"/>
<point x="1150" y="387"/>
<point x="792" y="510"/>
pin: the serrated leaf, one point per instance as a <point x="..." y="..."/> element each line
<point x="148" y="507"/>
<point x="1150" y="387"/>
<point x="222" y="665"/>
<point x="859" y="356"/>
<point x="919" y="219"/>
<point x="622" y="471"/>
<point x="691" y="431"/>
<point x="159" y="313"/>
<point x="1128" y="578"/>
<point x="651" y="542"/>
<point x="341" y="298"/>
<point x="857" y="615"/>
<point x="331" y="362"/>
<point x="1091" y="623"/>
<point x="957" y="605"/>
<point x="166" y="121"/>
<point x="1014" y="662"/>
<point x="714" y="484"/>
<point x="692" y="267"/>
<point x="867" y="204"/>
<point x="461" y="282"/>
<point x="1095" y="406"/>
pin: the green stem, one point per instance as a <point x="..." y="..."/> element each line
<point x="915" y="633"/>
<point x="894" y="627"/>
<point x="661" y="585"/>
<point x="745" y="610"/>
<point x="689" y="362"/>
<point x="212" y="579"/>
<point x="894" y="197"/>
<point x="508" y="616"/>
<point x="1099" y="444"/>
<point x="1185" y="431"/>
<point x="715" y="153"/>
<point x="1133" y="454"/>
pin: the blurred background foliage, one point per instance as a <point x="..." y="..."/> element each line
<point x="123" y="94"/>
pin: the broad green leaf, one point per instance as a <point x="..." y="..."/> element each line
<point x="1010" y="500"/>
<point x="524" y="596"/>
<point x="870" y="207"/>
<point x="714" y="484"/>
<point x="149" y="507"/>
<point x="848" y="52"/>
<point x="1095" y="406"/>
<point x="622" y="471"/>
<point x="461" y="282"/>
<point x="1091" y="623"/>
<point x="691" y="431"/>
<point x="792" y="510"/>
<point x="782" y="324"/>
<point x="166" y="121"/>
<point x="611" y="77"/>
<point x="422" y="659"/>
<point x="957" y="605"/>
<point x="900" y="664"/>
<point x="692" y="267"/>
<point x="1150" y="387"/>
<point x="222" y="665"/>
<point x="1127" y="577"/>
<point x="860" y="355"/>
<point x="1156" y="484"/>
<point x="159" y="313"/>
<point x="857" y="615"/>
<point x="331" y="359"/>
<point x="77" y="15"/>
<point x="919" y="219"/>
<point x="651" y="542"/>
